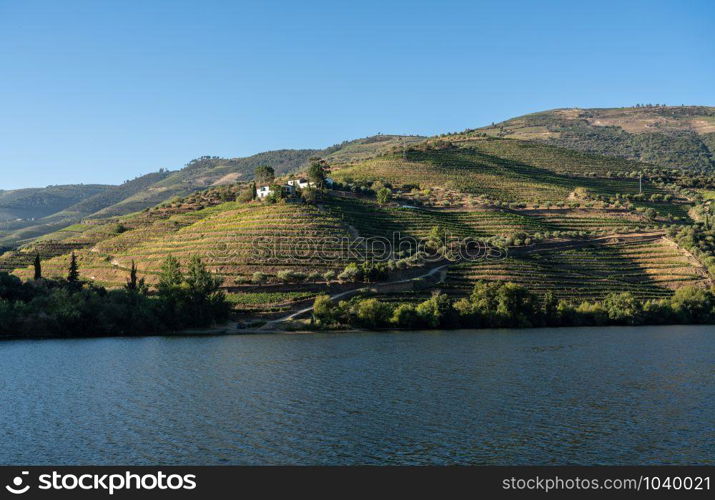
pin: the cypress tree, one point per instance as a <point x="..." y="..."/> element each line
<point x="73" y="274"/>
<point x="38" y="267"/>
<point x="132" y="282"/>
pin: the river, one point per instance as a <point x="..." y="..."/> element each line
<point x="617" y="395"/>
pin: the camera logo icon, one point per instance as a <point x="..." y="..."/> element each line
<point x="16" y="487"/>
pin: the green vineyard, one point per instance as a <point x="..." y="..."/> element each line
<point x="371" y="219"/>
<point x="469" y="170"/>
<point x="649" y="268"/>
<point x="234" y="240"/>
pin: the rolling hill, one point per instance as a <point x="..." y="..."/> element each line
<point x="31" y="213"/>
<point x="568" y="219"/>
<point x="572" y="221"/>
<point x="498" y="169"/>
<point x="40" y="202"/>
<point x="667" y="136"/>
<point x="552" y="148"/>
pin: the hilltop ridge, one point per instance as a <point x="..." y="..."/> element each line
<point x="668" y="136"/>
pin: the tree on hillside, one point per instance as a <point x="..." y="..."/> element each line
<point x="38" y="267"/>
<point x="384" y="195"/>
<point x="437" y="237"/>
<point x="318" y="171"/>
<point x="247" y="194"/>
<point x="205" y="301"/>
<point x="264" y="174"/>
<point x="133" y="283"/>
<point x="277" y="194"/>
<point x="170" y="276"/>
<point x="309" y="195"/>
<point x="73" y="273"/>
<point x="201" y="282"/>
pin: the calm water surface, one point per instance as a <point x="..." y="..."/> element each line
<point x="559" y="396"/>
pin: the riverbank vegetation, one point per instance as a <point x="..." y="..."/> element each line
<point x="508" y="305"/>
<point x="70" y="307"/>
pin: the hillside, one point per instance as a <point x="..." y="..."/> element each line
<point x="63" y="216"/>
<point x="367" y="147"/>
<point x="498" y="170"/>
<point x="575" y="224"/>
<point x="52" y="212"/>
<point x="226" y="235"/>
<point x="649" y="266"/>
<point x="39" y="202"/>
<point x="667" y="136"/>
<point x="46" y="210"/>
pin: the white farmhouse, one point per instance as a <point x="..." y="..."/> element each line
<point x="300" y="183"/>
<point x="264" y="191"/>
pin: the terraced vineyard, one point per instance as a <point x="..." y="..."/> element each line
<point x="235" y="240"/>
<point x="648" y="267"/>
<point x="261" y="303"/>
<point x="17" y="259"/>
<point x="555" y="159"/>
<point x="470" y="170"/>
<point x="371" y="219"/>
<point x="368" y="147"/>
<point x="588" y="220"/>
<point x="69" y="239"/>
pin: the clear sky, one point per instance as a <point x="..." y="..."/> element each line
<point x="102" y="91"/>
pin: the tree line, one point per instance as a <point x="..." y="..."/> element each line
<point x="71" y="307"/>
<point x="508" y="305"/>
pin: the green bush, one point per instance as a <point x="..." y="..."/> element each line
<point x="290" y="276"/>
<point x="259" y="277"/>
<point x="405" y="316"/>
<point x="351" y="273"/>
<point x="372" y="313"/>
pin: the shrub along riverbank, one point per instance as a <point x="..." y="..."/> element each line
<point x="72" y="308"/>
<point x="507" y="305"/>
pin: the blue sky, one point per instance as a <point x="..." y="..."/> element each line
<point x="104" y="91"/>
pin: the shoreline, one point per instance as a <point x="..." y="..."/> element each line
<point x="227" y="331"/>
